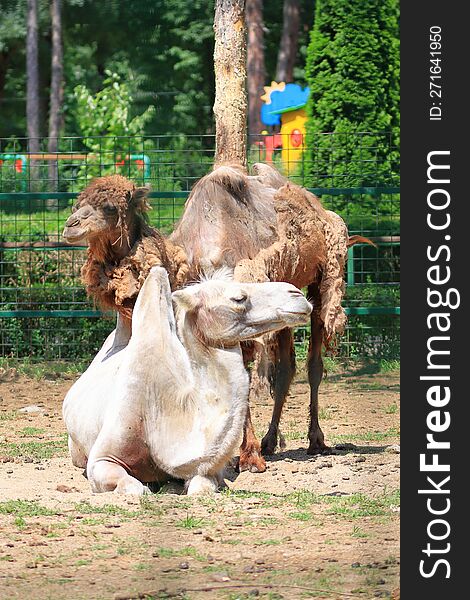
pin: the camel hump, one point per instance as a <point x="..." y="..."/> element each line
<point x="268" y="175"/>
<point x="231" y="177"/>
<point x="153" y="312"/>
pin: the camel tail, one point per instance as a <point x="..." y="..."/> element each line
<point x="359" y="239"/>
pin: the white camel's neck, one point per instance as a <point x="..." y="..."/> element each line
<point x="221" y="384"/>
<point x="210" y="418"/>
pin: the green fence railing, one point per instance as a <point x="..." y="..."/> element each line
<point x="44" y="312"/>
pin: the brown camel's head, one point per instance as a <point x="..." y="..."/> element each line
<point x="108" y="208"/>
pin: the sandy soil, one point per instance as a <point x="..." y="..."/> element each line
<point x="310" y="527"/>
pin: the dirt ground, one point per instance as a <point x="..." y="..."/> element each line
<point x="309" y="527"/>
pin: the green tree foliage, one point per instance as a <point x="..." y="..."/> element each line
<point x="105" y="123"/>
<point x="162" y="48"/>
<point x="353" y="73"/>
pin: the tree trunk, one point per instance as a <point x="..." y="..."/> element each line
<point x="255" y="63"/>
<point x="4" y="60"/>
<point x="56" y="97"/>
<point x="32" y="82"/>
<point x="230" y="81"/>
<point x="289" y="41"/>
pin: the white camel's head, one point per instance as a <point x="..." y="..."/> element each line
<point x="223" y="312"/>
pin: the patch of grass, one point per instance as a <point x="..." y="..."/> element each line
<point x="377" y="386"/>
<point x="388" y="366"/>
<point x="25" y="508"/>
<point x="369" y="436"/>
<point x="141" y="567"/>
<point x="352" y="506"/>
<point x="303" y="498"/>
<point x="267" y="521"/>
<point x="38" y="370"/>
<point x="20" y="523"/>
<point x="107" y="509"/>
<point x="54" y="530"/>
<point x="82" y="562"/>
<point x="324" y="414"/>
<point x="301" y="516"/>
<point x="358" y="533"/>
<point x="331" y="365"/>
<point x="34" y="450"/>
<point x="269" y="542"/>
<point x="228" y="493"/>
<point x="391" y="409"/>
<point x="359" y="505"/>
<point x="191" y="551"/>
<point x="150" y="505"/>
<point x="8" y="415"/>
<point x="190" y="522"/>
<point x="294" y="435"/>
<point x="30" y="431"/>
<point x="92" y="521"/>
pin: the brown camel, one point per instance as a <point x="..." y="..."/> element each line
<point x="122" y="247"/>
<point x="266" y="228"/>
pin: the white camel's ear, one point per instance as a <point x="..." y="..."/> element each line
<point x="185" y="298"/>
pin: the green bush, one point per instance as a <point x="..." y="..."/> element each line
<point x="353" y="74"/>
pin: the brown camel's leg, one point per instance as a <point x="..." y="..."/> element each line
<point x="282" y="373"/>
<point x="250" y="450"/>
<point x="315" y="372"/>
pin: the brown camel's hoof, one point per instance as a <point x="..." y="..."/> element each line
<point x="252" y="462"/>
<point x="268" y="445"/>
<point x="317" y="442"/>
<point x="319" y="448"/>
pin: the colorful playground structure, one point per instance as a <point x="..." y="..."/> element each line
<point x="284" y="106"/>
<point x="21" y="162"/>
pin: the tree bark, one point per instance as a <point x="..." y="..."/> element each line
<point x="32" y="82"/>
<point x="289" y="41"/>
<point x="56" y="95"/>
<point x="230" y="81"/>
<point x="255" y="64"/>
<point x="32" y="76"/>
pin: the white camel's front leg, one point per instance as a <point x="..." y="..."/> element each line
<point x="106" y="476"/>
<point x="77" y="455"/>
<point x="199" y="485"/>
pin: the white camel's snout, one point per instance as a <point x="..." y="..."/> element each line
<point x="280" y="304"/>
<point x="296" y="309"/>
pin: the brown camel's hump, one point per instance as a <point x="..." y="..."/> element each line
<point x="228" y="216"/>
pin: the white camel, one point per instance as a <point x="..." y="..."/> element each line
<point x="171" y="402"/>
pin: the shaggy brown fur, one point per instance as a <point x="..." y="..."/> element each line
<point x="312" y="247"/>
<point x="120" y="258"/>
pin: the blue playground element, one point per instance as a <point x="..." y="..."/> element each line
<point x="292" y="97"/>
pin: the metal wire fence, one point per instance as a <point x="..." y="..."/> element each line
<point x="44" y="312"/>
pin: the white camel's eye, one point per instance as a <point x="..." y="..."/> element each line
<point x="239" y="299"/>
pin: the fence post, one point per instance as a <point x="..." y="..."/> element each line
<point x="350" y="266"/>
